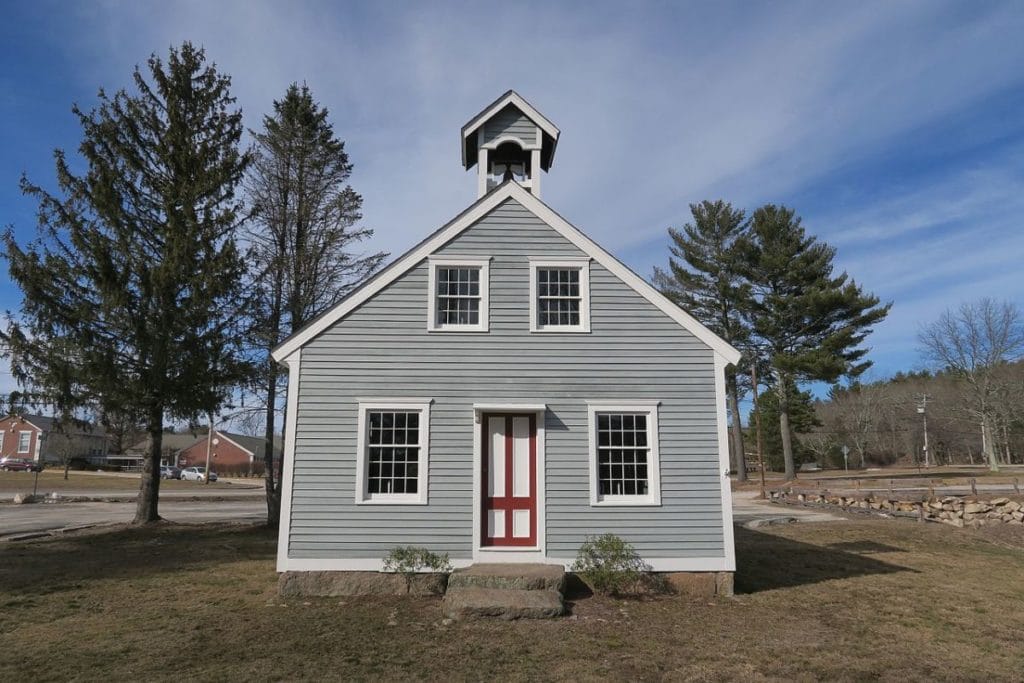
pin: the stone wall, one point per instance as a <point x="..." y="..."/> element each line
<point x="956" y="511"/>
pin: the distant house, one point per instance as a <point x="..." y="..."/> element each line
<point x="504" y="390"/>
<point x="38" y="438"/>
<point x="229" y="453"/>
<point x="170" y="445"/>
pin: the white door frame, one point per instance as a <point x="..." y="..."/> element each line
<point x="510" y="554"/>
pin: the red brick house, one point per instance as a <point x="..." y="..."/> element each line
<point x="36" y="437"/>
<point x="230" y="453"/>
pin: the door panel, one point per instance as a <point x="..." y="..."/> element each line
<point x="510" y="480"/>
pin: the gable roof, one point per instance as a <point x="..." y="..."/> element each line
<point x="47" y="424"/>
<point x="508" y="190"/>
<point x="513" y="98"/>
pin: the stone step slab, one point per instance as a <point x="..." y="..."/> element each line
<point x="539" y="577"/>
<point x="502" y="603"/>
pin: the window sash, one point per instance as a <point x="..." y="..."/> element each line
<point x="559" y="296"/>
<point x="623" y="454"/>
<point x="392" y="452"/>
<point x="24" y="442"/>
<point x="458" y="295"/>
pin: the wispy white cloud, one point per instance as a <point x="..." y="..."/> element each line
<point x="659" y="106"/>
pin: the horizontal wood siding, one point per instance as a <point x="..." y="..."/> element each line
<point x="510" y="121"/>
<point x="383" y="349"/>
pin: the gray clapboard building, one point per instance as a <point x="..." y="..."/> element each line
<point x="503" y="390"/>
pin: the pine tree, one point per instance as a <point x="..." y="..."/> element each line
<point x="705" y="278"/>
<point x="305" y="228"/>
<point x="130" y="290"/>
<point x="808" y="325"/>
<point x="802" y="420"/>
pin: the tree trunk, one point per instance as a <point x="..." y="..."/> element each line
<point x="67" y="466"/>
<point x="146" y="508"/>
<point x="787" y="437"/>
<point x="269" y="479"/>
<point x="737" y="427"/>
<point x="989" y="446"/>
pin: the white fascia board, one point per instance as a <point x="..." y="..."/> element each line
<point x="641" y="286"/>
<point x="391" y="273"/>
<point x="512" y="98"/>
<point x="510" y="190"/>
<point x="224" y="436"/>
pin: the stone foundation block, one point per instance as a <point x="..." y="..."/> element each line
<point x="700" y="584"/>
<point x="359" y="583"/>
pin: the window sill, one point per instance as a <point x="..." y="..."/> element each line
<point x="450" y="328"/>
<point x="626" y="502"/>
<point x="393" y="501"/>
<point x="560" y="330"/>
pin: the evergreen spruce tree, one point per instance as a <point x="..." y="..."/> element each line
<point x="130" y="290"/>
<point x="705" y="278"/>
<point x="808" y="324"/>
<point x="302" y="239"/>
<point x="802" y="420"/>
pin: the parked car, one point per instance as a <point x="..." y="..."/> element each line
<point x="170" y="472"/>
<point x="21" y="465"/>
<point x="196" y="474"/>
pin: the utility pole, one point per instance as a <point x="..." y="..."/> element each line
<point x="757" y="423"/>
<point x="209" y="449"/>
<point x="922" y="408"/>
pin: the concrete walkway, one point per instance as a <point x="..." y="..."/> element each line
<point x="748" y="507"/>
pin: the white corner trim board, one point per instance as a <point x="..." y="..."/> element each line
<point x="293" y="362"/>
<point x="483" y="206"/>
<point x="728" y="540"/>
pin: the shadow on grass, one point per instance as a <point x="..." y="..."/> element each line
<point x="767" y="561"/>
<point x="52" y="565"/>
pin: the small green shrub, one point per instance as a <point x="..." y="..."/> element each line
<point x="610" y="565"/>
<point x="407" y="560"/>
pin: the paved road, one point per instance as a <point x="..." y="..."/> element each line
<point x="199" y="491"/>
<point x="19" y="519"/>
<point x="748" y="507"/>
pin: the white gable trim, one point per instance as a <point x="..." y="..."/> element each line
<point x="232" y="441"/>
<point x="511" y="98"/>
<point x="509" y="190"/>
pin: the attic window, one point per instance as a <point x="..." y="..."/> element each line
<point x="560" y="295"/>
<point x="458" y="295"/>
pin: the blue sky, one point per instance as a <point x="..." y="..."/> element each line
<point x="895" y="129"/>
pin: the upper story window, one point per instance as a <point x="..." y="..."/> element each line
<point x="391" y="465"/>
<point x="560" y="295"/>
<point x="624" y="467"/>
<point x="458" y="295"/>
<point x="24" y="441"/>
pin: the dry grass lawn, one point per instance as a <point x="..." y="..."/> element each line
<point x="857" y="600"/>
<point x="53" y="480"/>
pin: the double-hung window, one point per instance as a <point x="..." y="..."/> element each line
<point x="393" y="443"/>
<point x="560" y="295"/>
<point x="24" y="441"/>
<point x="458" y="295"/>
<point x="624" y="467"/>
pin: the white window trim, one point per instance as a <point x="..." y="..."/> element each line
<point x="581" y="263"/>
<point x="363" y="497"/>
<point x="28" y="447"/>
<point x="653" y="497"/>
<point x="433" y="263"/>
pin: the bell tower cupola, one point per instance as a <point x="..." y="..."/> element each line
<point x="509" y="140"/>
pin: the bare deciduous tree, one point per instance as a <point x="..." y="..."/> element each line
<point x="975" y="342"/>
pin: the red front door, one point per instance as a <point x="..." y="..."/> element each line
<point x="509" y="449"/>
